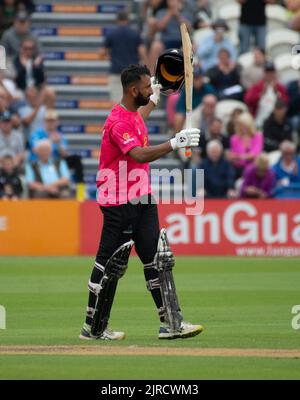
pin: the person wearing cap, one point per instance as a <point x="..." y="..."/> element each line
<point x="253" y="21"/>
<point x="11" y="140"/>
<point x="209" y="48"/>
<point x="200" y="89"/>
<point x="277" y="127"/>
<point x="16" y="34"/>
<point x="261" y="97"/>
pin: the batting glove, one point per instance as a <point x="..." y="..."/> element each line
<point x="186" y="138"/>
<point x="155" y="96"/>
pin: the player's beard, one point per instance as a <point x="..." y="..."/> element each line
<point x="141" y="100"/>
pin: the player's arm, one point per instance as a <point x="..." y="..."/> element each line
<point x="185" y="138"/>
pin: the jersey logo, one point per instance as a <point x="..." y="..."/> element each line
<point x="127" y="138"/>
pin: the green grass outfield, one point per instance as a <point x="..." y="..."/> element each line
<point x="242" y="303"/>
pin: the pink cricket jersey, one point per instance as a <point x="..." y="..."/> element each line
<point x="120" y="178"/>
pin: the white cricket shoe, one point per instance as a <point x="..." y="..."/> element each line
<point x="186" y="330"/>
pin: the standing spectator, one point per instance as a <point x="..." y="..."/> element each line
<point x="33" y="112"/>
<point x="210" y="46"/>
<point x="253" y="23"/>
<point x="29" y="69"/>
<point x="167" y="27"/>
<point x="200" y="89"/>
<point x="124" y="45"/>
<point x="277" y="127"/>
<point x="15" y="35"/>
<point x="246" y="144"/>
<point x="261" y="97"/>
<point x="47" y="178"/>
<point x="10" y="182"/>
<point x="225" y="77"/>
<point x="11" y="141"/>
<point x="219" y="174"/>
<point x="58" y="143"/>
<point x="287" y="169"/>
<point x="258" y="179"/>
<point x="215" y="132"/>
<point x="255" y="72"/>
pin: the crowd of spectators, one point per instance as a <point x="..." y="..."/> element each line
<point x="243" y="154"/>
<point x="252" y="153"/>
<point x="34" y="158"/>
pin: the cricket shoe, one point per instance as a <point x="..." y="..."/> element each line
<point x="107" y="334"/>
<point x="186" y="330"/>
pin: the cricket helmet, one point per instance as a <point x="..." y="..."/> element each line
<point x="169" y="70"/>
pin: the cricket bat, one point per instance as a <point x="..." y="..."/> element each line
<point x="188" y="77"/>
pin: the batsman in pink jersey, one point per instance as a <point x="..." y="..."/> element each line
<point x="130" y="216"/>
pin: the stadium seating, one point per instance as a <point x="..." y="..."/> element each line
<point x="71" y="33"/>
<point x="225" y="107"/>
<point x="281" y="42"/>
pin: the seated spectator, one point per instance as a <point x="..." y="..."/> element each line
<point x="200" y="89"/>
<point x="246" y="144"/>
<point x="258" y="179"/>
<point x="293" y="7"/>
<point x="277" y="127"/>
<point x="8" y="12"/>
<point x="261" y="97"/>
<point x="33" y="112"/>
<point x="167" y="28"/>
<point x="10" y="182"/>
<point x="225" y="78"/>
<point x="230" y="128"/>
<point x="58" y="143"/>
<point x="16" y="34"/>
<point x="11" y="140"/>
<point x="204" y="14"/>
<point x="287" y="169"/>
<point x="210" y="46"/>
<point x="255" y="72"/>
<point x="203" y="115"/>
<point x="293" y="89"/>
<point x="147" y="17"/>
<point x="215" y="132"/>
<point x="29" y="69"/>
<point x="6" y="104"/>
<point x="47" y="178"/>
<point x="219" y="174"/>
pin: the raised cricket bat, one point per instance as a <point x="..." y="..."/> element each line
<point x="188" y="77"/>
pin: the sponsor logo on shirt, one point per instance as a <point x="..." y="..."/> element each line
<point x="127" y="138"/>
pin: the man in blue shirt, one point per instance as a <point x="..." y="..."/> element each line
<point x="124" y="46"/>
<point x="211" y="45"/>
<point x="46" y="178"/>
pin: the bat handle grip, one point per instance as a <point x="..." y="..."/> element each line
<point x="188" y="123"/>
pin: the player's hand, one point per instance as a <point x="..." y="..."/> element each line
<point x="155" y="96"/>
<point x="186" y="138"/>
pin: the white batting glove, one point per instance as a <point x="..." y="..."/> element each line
<point x="155" y="96"/>
<point x="186" y="138"/>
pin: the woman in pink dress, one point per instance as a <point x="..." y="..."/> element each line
<point x="246" y="144"/>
